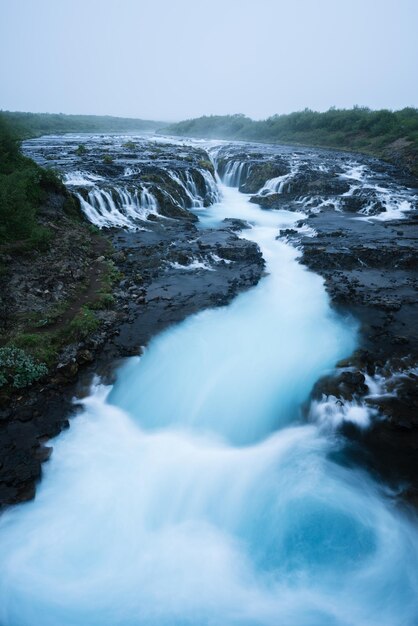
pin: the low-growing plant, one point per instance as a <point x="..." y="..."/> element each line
<point x="18" y="368"/>
<point x="107" y="159"/>
<point x="207" y="165"/>
<point x="84" y="323"/>
<point x="130" y="145"/>
<point x="104" y="301"/>
<point x="81" y="150"/>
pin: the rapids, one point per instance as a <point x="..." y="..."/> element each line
<point x="192" y="492"/>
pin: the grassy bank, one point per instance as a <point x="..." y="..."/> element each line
<point x="24" y="186"/>
<point x="391" y="135"/>
<point x="55" y="281"/>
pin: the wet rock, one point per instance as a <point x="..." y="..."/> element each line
<point x="66" y="372"/>
<point x="235" y="224"/>
<point x="260" y="173"/>
<point x="84" y="356"/>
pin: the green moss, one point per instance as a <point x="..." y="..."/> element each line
<point x="104" y="301"/>
<point x="207" y="165"/>
<point x="83" y="324"/>
<point x="41" y="346"/>
<point x="81" y="150"/>
<point x="130" y="145"/>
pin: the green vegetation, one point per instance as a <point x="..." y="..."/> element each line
<point x="34" y="343"/>
<point x="18" y="369"/>
<point x="83" y="324"/>
<point x="26" y="125"/>
<point x="384" y="133"/>
<point x="30" y="343"/>
<point x="130" y="145"/>
<point x="23" y="187"/>
<point x="207" y="165"/>
<point x="108" y="159"/>
<point x="81" y="150"/>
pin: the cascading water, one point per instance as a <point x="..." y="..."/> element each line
<point x="194" y="495"/>
<point x="233" y="173"/>
<point x="212" y="192"/>
<point x="117" y="207"/>
<point x="395" y="200"/>
<point x="276" y="185"/>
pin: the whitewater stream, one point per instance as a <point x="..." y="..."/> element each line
<point x="194" y="493"/>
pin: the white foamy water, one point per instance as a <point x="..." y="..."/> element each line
<point x="79" y="178"/>
<point x="276" y="185"/>
<point x="396" y="201"/>
<point x="195" y="264"/>
<point x="118" y="207"/>
<point x="191" y="494"/>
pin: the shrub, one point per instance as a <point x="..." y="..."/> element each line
<point x="81" y="150"/>
<point x="130" y="145"/>
<point x="107" y="159"/>
<point x="23" y="187"/>
<point x="19" y="369"/>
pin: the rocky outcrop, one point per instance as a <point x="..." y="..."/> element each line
<point x="260" y="172"/>
<point x="371" y="272"/>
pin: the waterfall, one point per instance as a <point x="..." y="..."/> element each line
<point x="184" y="179"/>
<point x="192" y="493"/>
<point x="277" y="184"/>
<point x="212" y="191"/>
<point x="118" y="207"/>
<point x="233" y="173"/>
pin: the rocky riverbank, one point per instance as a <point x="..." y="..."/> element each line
<point x="360" y="232"/>
<point x="99" y="296"/>
<point x="92" y="298"/>
<point x="370" y="270"/>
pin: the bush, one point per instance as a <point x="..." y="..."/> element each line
<point x="19" y="369"/>
<point x="107" y="159"/>
<point x="81" y="150"/>
<point x="23" y="187"/>
<point x="358" y="127"/>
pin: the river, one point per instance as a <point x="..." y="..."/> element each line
<point x="193" y="491"/>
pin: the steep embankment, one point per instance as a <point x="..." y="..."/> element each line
<point x="390" y="135"/>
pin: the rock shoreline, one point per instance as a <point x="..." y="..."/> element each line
<point x="360" y="234"/>
<point x="374" y="278"/>
<point x="158" y="288"/>
<point x="171" y="269"/>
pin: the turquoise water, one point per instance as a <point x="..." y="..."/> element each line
<point x="192" y="493"/>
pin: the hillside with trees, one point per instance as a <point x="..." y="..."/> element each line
<point x="26" y="125"/>
<point x="387" y="134"/>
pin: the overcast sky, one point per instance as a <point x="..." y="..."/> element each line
<point x="175" y="59"/>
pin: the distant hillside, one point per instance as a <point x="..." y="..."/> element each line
<point x="26" y="125"/>
<point x="392" y="135"/>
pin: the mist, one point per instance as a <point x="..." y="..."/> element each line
<point x="174" y="60"/>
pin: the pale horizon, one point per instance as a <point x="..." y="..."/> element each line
<point x="173" y="61"/>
